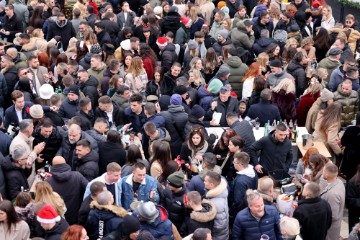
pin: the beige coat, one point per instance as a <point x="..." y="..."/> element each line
<point x="312" y="116"/>
<point x="334" y="194"/>
<point x="330" y="137"/>
<point x="156" y="170"/>
<point x="82" y="8"/>
<point x="20" y="231"/>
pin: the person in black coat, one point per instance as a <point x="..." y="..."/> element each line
<point x="195" y="120"/>
<point x="111" y="27"/>
<point x="88" y="85"/>
<point x="173" y="198"/>
<point x="70" y="105"/>
<point x="10" y="75"/>
<point x="70" y="185"/>
<point x="5" y="140"/>
<point x="264" y="110"/>
<point x="106" y="105"/>
<point x="52" y="137"/>
<point x="86" y="114"/>
<point x="103" y="37"/>
<point x="168" y="60"/>
<point x="263" y="22"/>
<point x="352" y="199"/>
<point x="171" y="22"/>
<point x="242" y="129"/>
<point x="87" y="160"/>
<point x="11" y="24"/>
<point x="16" y="172"/>
<point x="313" y="213"/>
<point x="61" y="27"/>
<point x="111" y="151"/>
<point x="95" y="188"/>
<point x="46" y="217"/>
<point x="297" y="69"/>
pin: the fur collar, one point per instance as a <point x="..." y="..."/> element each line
<point x="204" y="216"/>
<point x="265" y="196"/>
<point x="119" y="211"/>
<point x="218" y="190"/>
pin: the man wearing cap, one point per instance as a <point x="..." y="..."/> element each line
<point x="330" y="63"/>
<point x="173" y="200"/>
<point x="155" y="219"/>
<point x="277" y="74"/>
<point x="222" y="40"/>
<point x="70" y="105"/>
<point x="223" y="104"/>
<point x="195" y="120"/>
<point x="104" y="217"/>
<point x="167" y="53"/>
<point x="51" y="222"/>
<point x="175" y="121"/>
<point x="217" y="24"/>
<point x="326" y="98"/>
<point x="339" y="74"/>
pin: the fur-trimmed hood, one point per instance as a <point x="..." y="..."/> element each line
<point x="207" y="214"/>
<point x="118" y="211"/>
<point x="265" y="197"/>
<point x="219" y="191"/>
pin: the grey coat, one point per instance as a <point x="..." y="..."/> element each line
<point x="334" y="194"/>
<point x="274" y="79"/>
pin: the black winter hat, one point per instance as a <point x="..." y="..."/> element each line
<point x="74" y="89"/>
<point x="197" y="111"/>
<point x="130" y="225"/>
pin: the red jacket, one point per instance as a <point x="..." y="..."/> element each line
<point x="306" y="101"/>
<point x="149" y="67"/>
<point x="94" y="5"/>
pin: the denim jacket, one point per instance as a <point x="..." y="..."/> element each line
<point x="147" y="185"/>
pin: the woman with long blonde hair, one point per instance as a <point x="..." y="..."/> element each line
<point x="284" y="97"/>
<point x="327" y="20"/>
<point x="136" y="77"/>
<point x="195" y="78"/>
<point x="263" y="59"/>
<point x="45" y="193"/>
<point x="253" y="72"/>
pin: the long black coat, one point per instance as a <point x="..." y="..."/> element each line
<point x="70" y="185"/>
<point x="112" y="28"/>
<point x="88" y="165"/>
<point x="13" y="25"/>
<point x="314" y="216"/>
<point x="66" y="32"/>
<point x="89" y="89"/>
<point x="350" y="140"/>
<point x="352" y="201"/>
<point x="117" y="114"/>
<point x="173" y="202"/>
<point x="110" y="152"/>
<point x="171" y="23"/>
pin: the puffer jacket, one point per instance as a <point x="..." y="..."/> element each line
<point x="218" y="196"/>
<point x="98" y="73"/>
<point x="200" y="219"/>
<point x="89" y="89"/>
<point x="171" y="23"/>
<point x="88" y="165"/>
<point x="246" y="226"/>
<point x="173" y="202"/>
<point x="205" y="97"/>
<point x="218" y="46"/>
<point x="69" y="108"/>
<point x="238" y="70"/>
<point x="330" y="65"/>
<point x="241" y="38"/>
<point x="349" y="103"/>
<point x="258" y="26"/>
<point x="261" y="45"/>
<point x="103" y="219"/>
<point x="168" y="57"/>
<point x="161" y="227"/>
<point x="298" y="72"/>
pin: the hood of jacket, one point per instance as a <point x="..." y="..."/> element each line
<point x="169" y="47"/>
<point x="203" y="92"/>
<point x="61" y="25"/>
<point x="218" y="191"/>
<point x="164" y="135"/>
<point x="61" y="172"/>
<point x="241" y="27"/>
<point x="207" y="214"/>
<point x="294" y="65"/>
<point x="59" y="228"/>
<point x="100" y="68"/>
<point x="249" y="171"/>
<point x="8" y="165"/>
<point x="90" y="82"/>
<point x="260" y="8"/>
<point x="105" y="210"/>
<point x="234" y="62"/>
<point x="176" y="108"/>
<point x="265" y="196"/>
<point x="227" y="42"/>
<point x="92" y="156"/>
<point x="264" y="42"/>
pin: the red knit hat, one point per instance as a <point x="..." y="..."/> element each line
<point x="184" y="20"/>
<point x="161" y="41"/>
<point x="48" y="215"/>
<point x="315" y="4"/>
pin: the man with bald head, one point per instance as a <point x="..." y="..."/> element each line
<point x="104" y="213"/>
<point x="68" y="146"/>
<point x="18" y="58"/>
<point x="70" y="185"/>
<point x="266" y="189"/>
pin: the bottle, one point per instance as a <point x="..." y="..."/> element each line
<point x="47" y="167"/>
<point x="291" y="128"/>
<point x="274" y="123"/>
<point x="294" y="134"/>
<point x="265" y="129"/>
<point x="58" y="91"/>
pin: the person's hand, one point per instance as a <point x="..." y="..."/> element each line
<point x="258" y="168"/>
<point x="28" y="164"/>
<point x="39" y="158"/>
<point x="152" y="194"/>
<point x="54" y="108"/>
<point x="213" y="123"/>
<point x="38" y="148"/>
<point x="304" y="180"/>
<point x="157" y="107"/>
<point x="213" y="105"/>
<point x="139" y="135"/>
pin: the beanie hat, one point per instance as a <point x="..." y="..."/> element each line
<point x="184" y="20"/>
<point x="130" y="225"/>
<point x="224" y="33"/>
<point x="173" y="9"/>
<point x="192" y="45"/>
<point x="214" y="86"/>
<point x="326" y="95"/>
<point x="161" y="41"/>
<point x="181" y="89"/>
<point x="221" y="4"/>
<point x="223" y="71"/>
<point x="275" y="63"/>
<point x="95" y="49"/>
<point x="197" y="111"/>
<point x="148" y="211"/>
<point x="176" y="179"/>
<point x="158" y="10"/>
<point x="47" y="214"/>
<point x="74" y="89"/>
<point x="315" y="4"/>
<point x="335" y="51"/>
<point x="46" y="91"/>
<point x="176" y="99"/>
<point x="126" y="45"/>
<point x="36" y="111"/>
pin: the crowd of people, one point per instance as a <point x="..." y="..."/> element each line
<point x="106" y="118"/>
